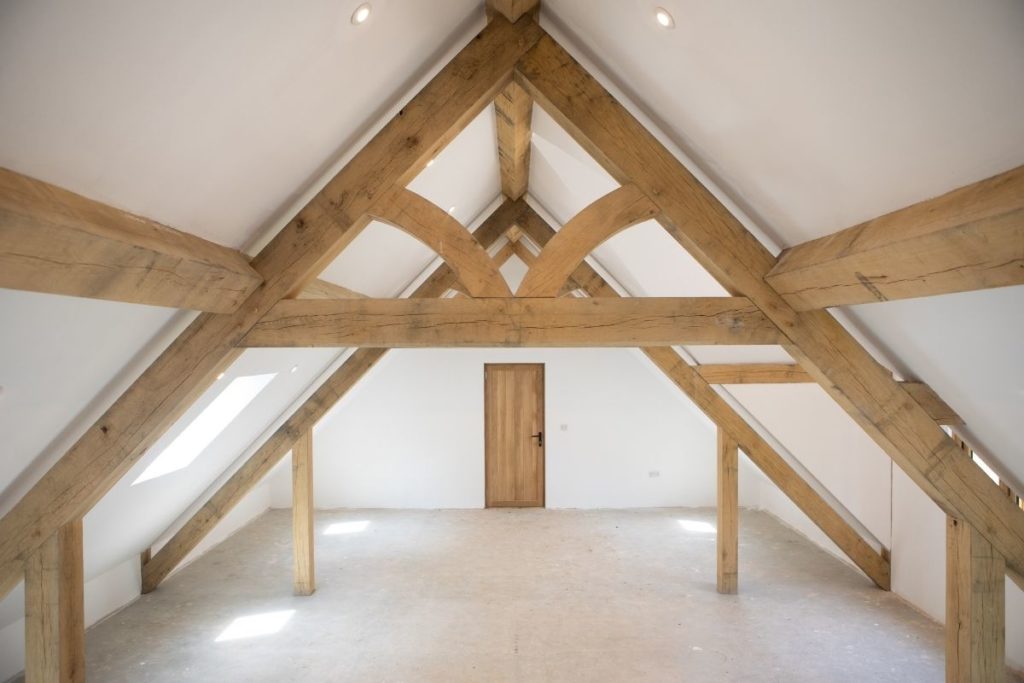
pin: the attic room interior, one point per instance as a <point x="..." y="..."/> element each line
<point x="512" y="340"/>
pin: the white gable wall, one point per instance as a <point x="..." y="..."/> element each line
<point x="618" y="435"/>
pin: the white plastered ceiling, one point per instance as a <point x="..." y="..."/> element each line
<point x="215" y="118"/>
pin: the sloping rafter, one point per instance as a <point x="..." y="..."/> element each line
<point x="156" y="568"/>
<point x="500" y="322"/>
<point x="58" y="242"/>
<point x="872" y="562"/>
<point x="699" y="221"/>
<point x="605" y="217"/>
<point x="453" y="98"/>
<point x="967" y="239"/>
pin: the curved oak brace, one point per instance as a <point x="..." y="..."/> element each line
<point x="599" y="221"/>
<point x="432" y="225"/>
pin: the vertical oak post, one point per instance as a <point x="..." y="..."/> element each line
<point x="728" y="513"/>
<point x="54" y="609"/>
<point x="302" y="514"/>
<point x="975" y="607"/>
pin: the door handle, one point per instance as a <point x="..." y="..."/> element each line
<point x="540" y="439"/>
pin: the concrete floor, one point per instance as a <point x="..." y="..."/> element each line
<point x="519" y="595"/>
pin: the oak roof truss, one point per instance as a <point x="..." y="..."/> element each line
<point x="513" y="62"/>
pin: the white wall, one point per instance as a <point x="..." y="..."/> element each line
<point x="412" y="435"/>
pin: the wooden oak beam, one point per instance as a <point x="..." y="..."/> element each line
<point x="504" y="254"/>
<point x="873" y="563"/>
<point x="782" y="373"/>
<point x="304" y="561"/>
<point x="449" y="239"/>
<point x="395" y="155"/>
<point x="55" y="609"/>
<point x="970" y="238"/>
<point x="754" y="373"/>
<point x="605" y="217"/>
<point x="407" y="323"/>
<point x="513" y="9"/>
<point x="937" y="409"/>
<point x="727" y="538"/>
<point x="157" y="567"/>
<point x="58" y="242"/>
<point x="524" y="254"/>
<point x="975" y="607"/>
<point x="513" y="110"/>
<point x="699" y="222"/>
<point x="322" y="289"/>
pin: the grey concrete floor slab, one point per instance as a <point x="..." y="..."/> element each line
<point x="518" y="595"/>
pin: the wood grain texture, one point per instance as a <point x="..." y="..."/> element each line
<point x="455" y="323"/>
<point x="513" y="110"/>
<point x="970" y="238"/>
<point x="322" y="289"/>
<point x="872" y="562"/>
<point x="513" y="414"/>
<point x="619" y="209"/>
<point x="727" y="538"/>
<point x="937" y="409"/>
<point x="699" y="222"/>
<point x="299" y="422"/>
<point x="434" y="227"/>
<point x="975" y="607"/>
<point x="513" y="9"/>
<point x="524" y="254"/>
<point x="753" y="373"/>
<point x="303" y="556"/>
<point x="55" y="609"/>
<point x="58" y="242"/>
<point x="503" y="254"/>
<point x="394" y="156"/>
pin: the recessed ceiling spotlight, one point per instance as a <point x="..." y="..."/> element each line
<point x="361" y="14"/>
<point x="295" y="368"/>
<point x="663" y="18"/>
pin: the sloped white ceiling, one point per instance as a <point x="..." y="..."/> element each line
<point x="208" y="117"/>
<point x="818" y="115"/>
<point x="379" y="262"/>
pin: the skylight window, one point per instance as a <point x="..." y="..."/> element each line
<point x="201" y="432"/>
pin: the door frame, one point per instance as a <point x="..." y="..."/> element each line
<point x="543" y="448"/>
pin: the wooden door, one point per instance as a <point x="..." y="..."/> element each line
<point x="514" y="434"/>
